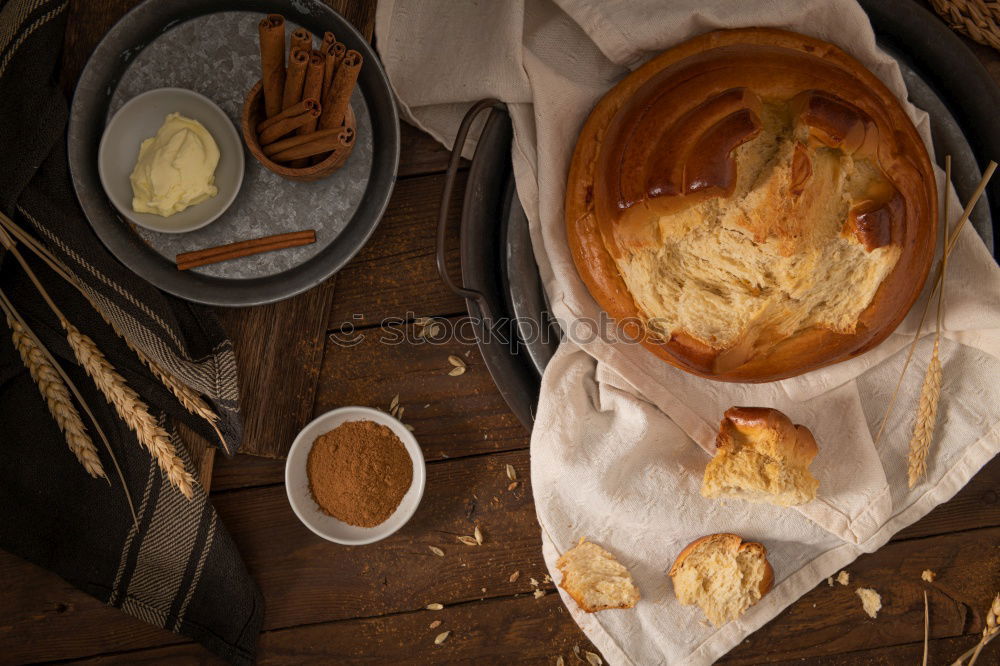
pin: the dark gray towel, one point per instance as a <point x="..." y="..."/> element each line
<point x="178" y="568"/>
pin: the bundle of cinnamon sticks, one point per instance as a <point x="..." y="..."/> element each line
<point x="306" y="101"/>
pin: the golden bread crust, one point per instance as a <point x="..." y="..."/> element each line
<point x="794" y="443"/>
<point x="729" y="542"/>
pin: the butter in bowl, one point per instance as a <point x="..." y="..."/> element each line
<point x="170" y="160"/>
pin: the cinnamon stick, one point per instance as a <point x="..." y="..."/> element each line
<point x="295" y="78"/>
<point x="301" y="39"/>
<point x="328" y="41"/>
<point x="313" y="87"/>
<point x="334" y="56"/>
<point x="271" y="31"/>
<point x="298" y="140"/>
<point x="293" y="110"/>
<point x="315" y="146"/>
<point x="274" y="131"/>
<point x="214" y="255"/>
<point x="338" y="98"/>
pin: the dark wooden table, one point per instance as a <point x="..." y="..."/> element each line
<point x="337" y="604"/>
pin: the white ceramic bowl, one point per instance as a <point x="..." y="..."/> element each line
<point x="138" y="120"/>
<point x="297" y="479"/>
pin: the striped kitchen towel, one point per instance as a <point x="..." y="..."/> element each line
<point x="175" y="566"/>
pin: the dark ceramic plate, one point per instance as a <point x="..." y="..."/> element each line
<point x="344" y="209"/>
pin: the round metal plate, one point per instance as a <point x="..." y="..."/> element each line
<point x="96" y="94"/>
<point x="939" y="57"/>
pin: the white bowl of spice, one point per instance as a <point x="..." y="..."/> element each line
<point x="354" y="475"/>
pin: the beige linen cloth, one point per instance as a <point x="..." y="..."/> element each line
<point x="621" y="439"/>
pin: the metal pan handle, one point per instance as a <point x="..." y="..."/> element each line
<point x="449" y="185"/>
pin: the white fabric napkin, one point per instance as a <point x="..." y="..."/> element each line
<point x="621" y="439"/>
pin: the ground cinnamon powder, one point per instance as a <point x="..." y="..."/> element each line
<point x="359" y="472"/>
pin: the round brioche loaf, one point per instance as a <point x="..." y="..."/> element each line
<point x="752" y="204"/>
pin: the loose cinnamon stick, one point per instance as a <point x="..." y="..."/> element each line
<point x="214" y="255"/>
<point x="339" y="96"/>
<point x="298" y="140"/>
<point x="295" y="78"/>
<point x="315" y="146"/>
<point x="272" y="61"/>
<point x="301" y="39"/>
<point x="328" y="41"/>
<point x="275" y="130"/>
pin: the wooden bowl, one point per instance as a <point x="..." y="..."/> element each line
<point x="253" y="113"/>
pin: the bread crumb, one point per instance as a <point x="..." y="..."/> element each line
<point x="843" y="578"/>
<point x="871" y="601"/>
<point x="534" y="583"/>
<point x="928" y="575"/>
<point x="829" y="581"/>
<point x="539" y="594"/>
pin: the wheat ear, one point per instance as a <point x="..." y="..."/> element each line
<point x="938" y="280"/>
<point x="186" y="396"/>
<point x="56" y="395"/>
<point x="12" y="314"/>
<point x="923" y="428"/>
<point x="990" y="631"/>
<point x="930" y="391"/>
<point x="133" y="411"/>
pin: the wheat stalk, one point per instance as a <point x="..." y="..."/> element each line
<point x="56" y="395"/>
<point x="990" y="631"/>
<point x="930" y="392"/>
<point x="186" y="396"/>
<point x="923" y="428"/>
<point x="133" y="411"/>
<point x="12" y="314"/>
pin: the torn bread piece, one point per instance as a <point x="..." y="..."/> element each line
<point x="595" y="579"/>
<point x="871" y="601"/>
<point x="723" y="575"/>
<point x="761" y="456"/>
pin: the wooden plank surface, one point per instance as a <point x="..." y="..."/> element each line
<point x="518" y="630"/>
<point x="395" y="274"/>
<point x="309" y="580"/>
<point x="279" y="351"/>
<point x="348" y="605"/>
<point x="420" y="154"/>
<point x="451" y="416"/>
